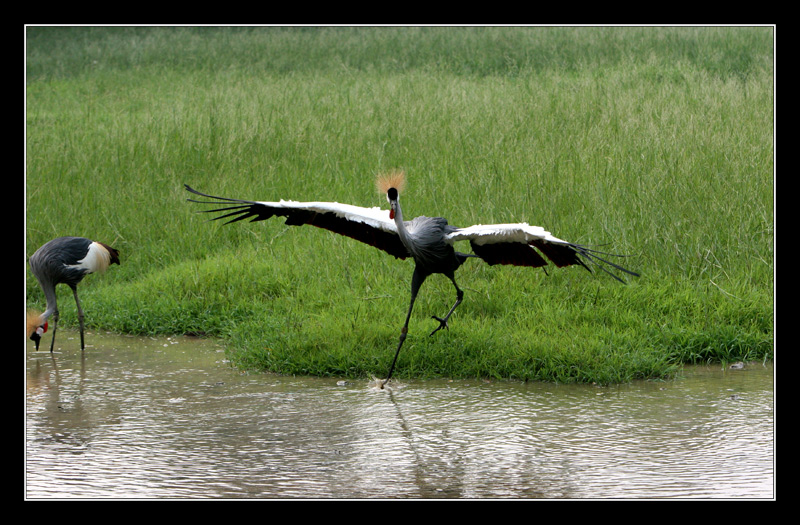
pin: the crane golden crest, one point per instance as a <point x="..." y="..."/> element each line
<point x="33" y="323"/>
<point x="394" y="179"/>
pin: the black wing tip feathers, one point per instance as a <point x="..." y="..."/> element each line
<point x="227" y="199"/>
<point x="192" y="190"/>
<point x="594" y="257"/>
<point x="238" y="209"/>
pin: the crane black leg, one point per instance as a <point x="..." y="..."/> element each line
<point x="55" y="326"/>
<point x="459" y="297"/>
<point x="80" y="313"/>
<point x="416" y="282"/>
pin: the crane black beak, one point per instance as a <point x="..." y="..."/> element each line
<point x="36" y="336"/>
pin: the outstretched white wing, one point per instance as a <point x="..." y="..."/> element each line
<point x="519" y="244"/>
<point x="369" y="225"/>
<point x="481" y="234"/>
<point x="523" y="245"/>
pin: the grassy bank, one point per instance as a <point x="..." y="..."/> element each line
<point x="658" y="142"/>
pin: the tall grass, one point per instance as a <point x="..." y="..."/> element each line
<point x="657" y="141"/>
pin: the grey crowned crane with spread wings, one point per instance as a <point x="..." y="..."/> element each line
<point x="428" y="240"/>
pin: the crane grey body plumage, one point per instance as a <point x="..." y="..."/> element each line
<point x="428" y="240"/>
<point x="66" y="260"/>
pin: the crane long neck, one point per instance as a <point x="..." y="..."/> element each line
<point x="50" y="296"/>
<point x="398" y="213"/>
<point x="398" y="221"/>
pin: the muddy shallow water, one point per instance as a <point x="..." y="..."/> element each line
<point x="169" y="418"/>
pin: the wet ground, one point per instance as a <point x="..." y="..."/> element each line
<point x="169" y="418"/>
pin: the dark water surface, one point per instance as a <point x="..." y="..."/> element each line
<point x="169" y="418"/>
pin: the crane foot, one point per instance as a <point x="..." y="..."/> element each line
<point x="442" y="324"/>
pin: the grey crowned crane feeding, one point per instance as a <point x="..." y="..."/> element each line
<point x="65" y="260"/>
<point x="428" y="240"/>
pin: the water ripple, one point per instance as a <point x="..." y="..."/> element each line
<point x="134" y="419"/>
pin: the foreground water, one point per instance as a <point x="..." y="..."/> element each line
<point x="169" y="418"/>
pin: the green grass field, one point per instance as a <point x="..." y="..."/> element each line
<point x="655" y="142"/>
